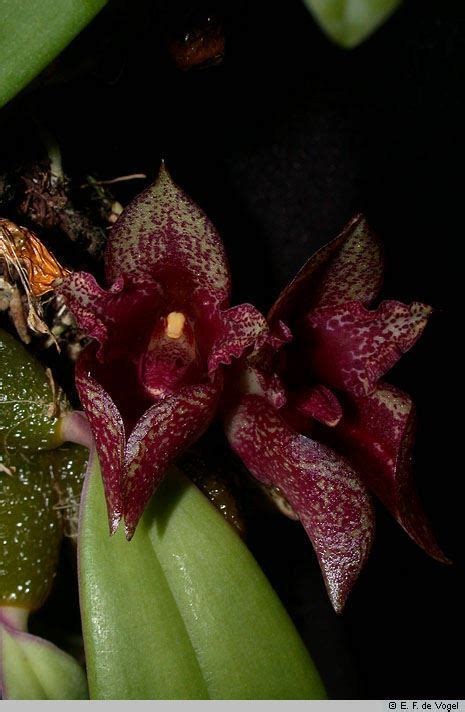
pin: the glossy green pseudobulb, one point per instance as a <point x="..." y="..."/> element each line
<point x="39" y="497"/>
<point x="30" y="528"/>
<point x="39" y="493"/>
<point x="29" y="408"/>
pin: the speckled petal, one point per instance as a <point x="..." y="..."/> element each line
<point x="351" y="348"/>
<point x="91" y="306"/>
<point x="254" y="380"/>
<point x="259" y="373"/>
<point x="164" y="236"/>
<point x="110" y="315"/>
<point x="377" y="433"/>
<point x="332" y="503"/>
<point x="241" y="327"/>
<point x="348" y="268"/>
<point x="163" y="432"/>
<point x="108" y="430"/>
<point x="319" y="403"/>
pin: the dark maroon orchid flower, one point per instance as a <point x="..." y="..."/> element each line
<point x="150" y="381"/>
<point x="317" y="380"/>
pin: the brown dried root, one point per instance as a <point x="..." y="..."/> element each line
<point x="109" y="209"/>
<point x="46" y="202"/>
<point x="10" y="471"/>
<point x="54" y="408"/>
<point x="12" y="302"/>
<point x="64" y="330"/>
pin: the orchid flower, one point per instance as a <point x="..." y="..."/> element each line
<point x="317" y="380"/>
<point x="151" y="380"/>
<point x="189" y="639"/>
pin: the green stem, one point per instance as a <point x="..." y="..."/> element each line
<point x="14" y="616"/>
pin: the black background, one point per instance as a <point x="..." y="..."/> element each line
<point x="281" y="145"/>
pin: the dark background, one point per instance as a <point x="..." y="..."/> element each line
<point x="280" y="145"/>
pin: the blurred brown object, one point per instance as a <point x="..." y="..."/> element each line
<point x="199" y="45"/>
<point x="214" y="478"/>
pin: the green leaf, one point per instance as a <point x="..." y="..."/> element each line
<point x="33" y="33"/>
<point x="184" y="608"/>
<point x="34" y="669"/>
<point x="350" y="22"/>
<point x="246" y="644"/>
<point x="136" y="643"/>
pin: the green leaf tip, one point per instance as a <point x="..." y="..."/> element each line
<point x="350" y="22"/>
<point x="184" y="607"/>
<point x="33" y="33"/>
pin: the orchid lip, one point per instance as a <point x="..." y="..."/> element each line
<point x="171" y="359"/>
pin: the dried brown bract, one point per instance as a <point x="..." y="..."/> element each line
<point x="26" y="262"/>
